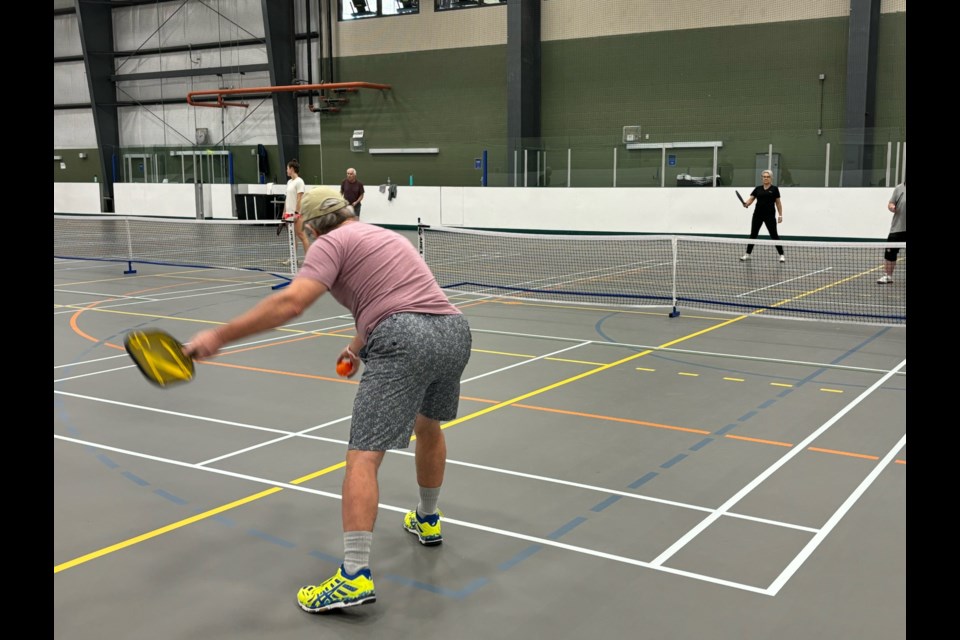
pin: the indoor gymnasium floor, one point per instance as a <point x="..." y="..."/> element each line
<point x="613" y="473"/>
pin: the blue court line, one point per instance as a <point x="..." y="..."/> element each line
<point x="520" y="557"/>
<point x="723" y="430"/>
<point x="106" y="460"/>
<point x="562" y="531"/>
<point x="680" y="457"/>
<point x="286" y="544"/>
<point x="456" y="594"/>
<point x="529" y="551"/>
<point x="266" y="537"/>
<point x="701" y="444"/>
<point x="674" y="460"/>
<point x="643" y="480"/>
<point x="136" y="479"/>
<point x="600" y="506"/>
<point x="325" y="557"/>
<point x="169" y="496"/>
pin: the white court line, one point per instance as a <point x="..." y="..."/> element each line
<point x="724" y="510"/>
<point x="104" y="296"/>
<point x="202" y="292"/>
<point x="525" y="362"/>
<point x="463" y="523"/>
<point x="656" y="564"/>
<point x="79" y="265"/>
<point x="805" y="553"/>
<point x="94" y="361"/>
<point x="777" y="284"/>
<point x="174" y="295"/>
<point x="94" y="373"/>
<point x="306" y="433"/>
<point x="796" y="450"/>
<point x="227" y="348"/>
<point x="126" y="301"/>
<point x="732" y="356"/>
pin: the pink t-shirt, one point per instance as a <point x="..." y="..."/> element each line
<point x="375" y="273"/>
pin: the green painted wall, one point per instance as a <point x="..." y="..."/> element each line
<point x="455" y="100"/>
<point x="746" y="86"/>
<point x="75" y="169"/>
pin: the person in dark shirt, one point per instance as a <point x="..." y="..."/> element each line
<point x="352" y="190"/>
<point x="769" y="212"/>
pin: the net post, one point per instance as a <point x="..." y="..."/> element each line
<point x="130" y="270"/>
<point x="673" y="294"/>
<point x="292" y="241"/>
<point x="420" y="242"/>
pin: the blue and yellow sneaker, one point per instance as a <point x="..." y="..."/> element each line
<point x="342" y="590"/>
<point x="427" y="529"/>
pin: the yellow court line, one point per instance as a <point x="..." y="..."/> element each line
<point x="477" y="414"/>
<point x="182" y="523"/>
<point x="571" y="361"/>
<point x="506" y="403"/>
<point x="585" y="374"/>
<point x="156" y="532"/>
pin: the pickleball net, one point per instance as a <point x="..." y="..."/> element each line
<point x="218" y="244"/>
<point x="819" y="280"/>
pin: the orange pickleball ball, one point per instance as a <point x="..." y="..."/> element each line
<point x="344" y="367"/>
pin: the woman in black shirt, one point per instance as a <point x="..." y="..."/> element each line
<point x="767" y="197"/>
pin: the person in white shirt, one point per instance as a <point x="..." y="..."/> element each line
<point x="291" y="205"/>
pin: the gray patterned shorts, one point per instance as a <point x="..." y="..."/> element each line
<point x="412" y="364"/>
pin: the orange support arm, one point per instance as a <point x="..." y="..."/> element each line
<point x="220" y="93"/>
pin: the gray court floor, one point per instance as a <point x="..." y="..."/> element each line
<point x="613" y="473"/>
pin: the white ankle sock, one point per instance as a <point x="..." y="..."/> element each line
<point x="428" y="501"/>
<point x="356" y="550"/>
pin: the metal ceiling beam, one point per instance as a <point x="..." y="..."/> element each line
<point x="190" y="73"/>
<point x="184" y="48"/>
<point x="861" y="98"/>
<point x="523" y="77"/>
<point x="96" y="34"/>
<point x="278" y="25"/>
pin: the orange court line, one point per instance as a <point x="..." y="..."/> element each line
<point x="598" y="417"/>
<point x="294" y="374"/>
<point x="676" y="428"/>
<point x="758" y="440"/>
<point x="76" y="328"/>
<point x="843" y="453"/>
